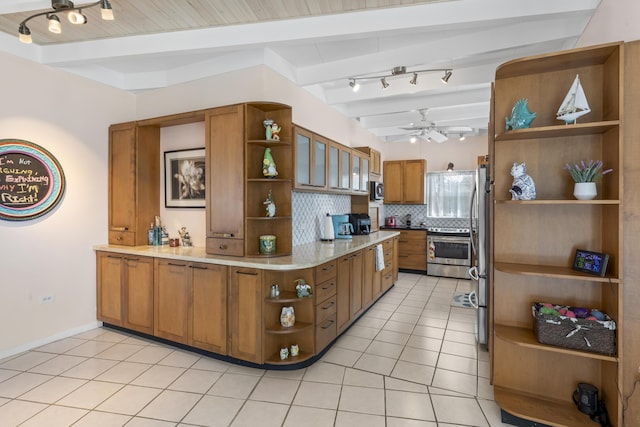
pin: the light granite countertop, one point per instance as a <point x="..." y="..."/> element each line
<point x="303" y="256"/>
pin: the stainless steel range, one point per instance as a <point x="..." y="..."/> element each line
<point x="449" y="252"/>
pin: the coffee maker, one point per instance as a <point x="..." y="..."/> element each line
<point x="361" y="223"/>
<point x="342" y="228"/>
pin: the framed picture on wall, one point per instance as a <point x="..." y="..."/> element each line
<point x="184" y="178"/>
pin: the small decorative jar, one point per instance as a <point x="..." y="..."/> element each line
<point x="287" y="317"/>
<point x="284" y="353"/>
<point x="295" y="350"/>
<point x="267" y="244"/>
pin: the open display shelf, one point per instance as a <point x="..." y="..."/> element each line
<point x="534" y="241"/>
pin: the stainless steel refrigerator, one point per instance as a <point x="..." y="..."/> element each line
<point x="479" y="271"/>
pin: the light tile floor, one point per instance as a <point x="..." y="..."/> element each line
<point x="410" y="361"/>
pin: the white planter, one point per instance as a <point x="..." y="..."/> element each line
<point x="585" y="190"/>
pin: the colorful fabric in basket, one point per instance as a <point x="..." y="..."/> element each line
<point x="574" y="327"/>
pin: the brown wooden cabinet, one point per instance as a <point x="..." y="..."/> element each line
<point x="125" y="291"/>
<point x="325" y="304"/>
<point x="339" y="168"/>
<point x="371" y="279"/>
<point x="191" y="304"/>
<point x="412" y="250"/>
<point x="134" y="182"/>
<point x="405" y="182"/>
<point x="359" y="172"/>
<point x="245" y="314"/>
<point x="311" y="154"/>
<point x="349" y="293"/>
<point x="375" y="167"/>
<point x="532" y="263"/>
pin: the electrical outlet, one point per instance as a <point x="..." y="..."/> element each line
<point x="46" y="299"/>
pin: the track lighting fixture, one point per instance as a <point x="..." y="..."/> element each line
<point x="398" y="71"/>
<point x="462" y="137"/>
<point x="74" y="14"/>
<point x="450" y="167"/>
<point x="446" y="77"/>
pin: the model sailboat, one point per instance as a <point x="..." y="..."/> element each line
<point x="574" y="105"/>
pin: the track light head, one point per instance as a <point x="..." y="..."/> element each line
<point x="355" y="86"/>
<point x="446" y="77"/>
<point x="105" y="10"/>
<point x="54" y="23"/>
<point x="462" y="137"/>
<point x="25" y="34"/>
<point x="414" y="79"/>
<point x="384" y="83"/>
<point x="450" y="167"/>
<point x="76" y="17"/>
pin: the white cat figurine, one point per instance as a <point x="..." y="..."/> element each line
<point x="523" y="187"/>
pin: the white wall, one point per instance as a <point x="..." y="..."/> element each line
<point x="52" y="255"/>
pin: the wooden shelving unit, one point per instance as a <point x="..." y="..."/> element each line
<point x="534" y="241"/>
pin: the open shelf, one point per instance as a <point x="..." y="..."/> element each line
<point x="558" y="131"/>
<point x="287" y="297"/>
<point x="524" y="337"/>
<point x="557" y="202"/>
<point x="301" y="357"/>
<point x="268" y="142"/>
<point x="534" y="408"/>
<point x="550" y="271"/>
<point x="297" y="327"/>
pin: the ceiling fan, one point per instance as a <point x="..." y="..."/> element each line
<point x="428" y="131"/>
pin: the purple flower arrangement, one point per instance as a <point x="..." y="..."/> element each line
<point x="586" y="172"/>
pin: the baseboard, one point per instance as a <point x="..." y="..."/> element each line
<point x="47" y="340"/>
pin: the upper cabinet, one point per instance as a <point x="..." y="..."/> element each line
<point x="134" y="182"/>
<point x="405" y="182"/>
<point x="311" y="160"/>
<point x="534" y="241"/>
<point x="375" y="162"/>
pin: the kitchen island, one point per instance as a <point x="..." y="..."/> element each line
<point x="224" y="305"/>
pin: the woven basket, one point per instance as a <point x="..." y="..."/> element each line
<point x="597" y="336"/>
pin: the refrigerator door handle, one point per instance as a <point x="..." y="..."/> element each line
<point x="472" y="297"/>
<point x="473" y="273"/>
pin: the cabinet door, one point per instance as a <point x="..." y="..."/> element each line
<point x="334" y="167"/>
<point x="245" y="314"/>
<point x="138" y="293"/>
<point x="414" y="177"/>
<point x="371" y="279"/>
<point x="320" y="153"/>
<point x="364" y="167"/>
<point x="109" y="289"/>
<point x="392" y="179"/>
<point x="345" y="169"/>
<point x="356" y="261"/>
<point x="303" y="157"/>
<point x="356" y="173"/>
<point x="122" y="184"/>
<point x="209" y="304"/>
<point x="375" y="162"/>
<point x="343" y="293"/>
<point x="173" y="301"/>
<point x="224" y="174"/>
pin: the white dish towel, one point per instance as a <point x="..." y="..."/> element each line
<point x="379" y="258"/>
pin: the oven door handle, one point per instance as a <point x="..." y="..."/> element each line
<point x="472" y="297"/>
<point x="473" y="273"/>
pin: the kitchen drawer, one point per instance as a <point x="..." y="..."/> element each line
<point x="413" y="235"/>
<point x="117" y="237"/>
<point x="325" y="333"/>
<point x="387" y="278"/>
<point x="325" y="290"/>
<point x="326" y="271"/>
<point x="412" y="246"/>
<point x="413" y="261"/>
<point x="325" y="309"/>
<point x="222" y="246"/>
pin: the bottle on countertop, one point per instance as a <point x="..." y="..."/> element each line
<point x="164" y="236"/>
<point x="150" y="234"/>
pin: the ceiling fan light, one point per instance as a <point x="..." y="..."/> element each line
<point x="76" y="17"/>
<point x="54" y="24"/>
<point x="105" y="10"/>
<point x="24" y="34"/>
<point x="384" y="83"/>
<point x="446" y="77"/>
<point x="414" y="79"/>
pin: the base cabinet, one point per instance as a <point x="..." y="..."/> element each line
<point x="125" y="291"/>
<point x="245" y="314"/>
<point x="412" y="250"/>
<point x="191" y="304"/>
<point x="349" y="292"/>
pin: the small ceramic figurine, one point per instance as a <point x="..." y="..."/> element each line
<point x="275" y="131"/>
<point x="295" y="350"/>
<point x="303" y="289"/>
<point x="268" y="123"/>
<point x="284" y="353"/>
<point x="521" y="117"/>
<point x="268" y="165"/>
<point x="270" y="205"/>
<point x="186" y="238"/>
<point x="523" y="187"/>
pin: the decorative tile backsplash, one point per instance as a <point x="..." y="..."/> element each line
<point x="419" y="215"/>
<point x="308" y="209"/>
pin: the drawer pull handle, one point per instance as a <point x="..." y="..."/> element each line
<point x="326" y="288"/>
<point x="328" y="306"/>
<point x="175" y="265"/>
<point x="247" y="273"/>
<point x="328" y="325"/>
<point x="224" y="247"/>
<point x="222" y="234"/>
<point x="119" y="228"/>
<point x="197" y="267"/>
<point x="328" y="268"/>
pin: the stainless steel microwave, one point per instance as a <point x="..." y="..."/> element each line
<point x="376" y="190"/>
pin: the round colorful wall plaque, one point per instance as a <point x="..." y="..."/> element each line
<point x="31" y="180"/>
